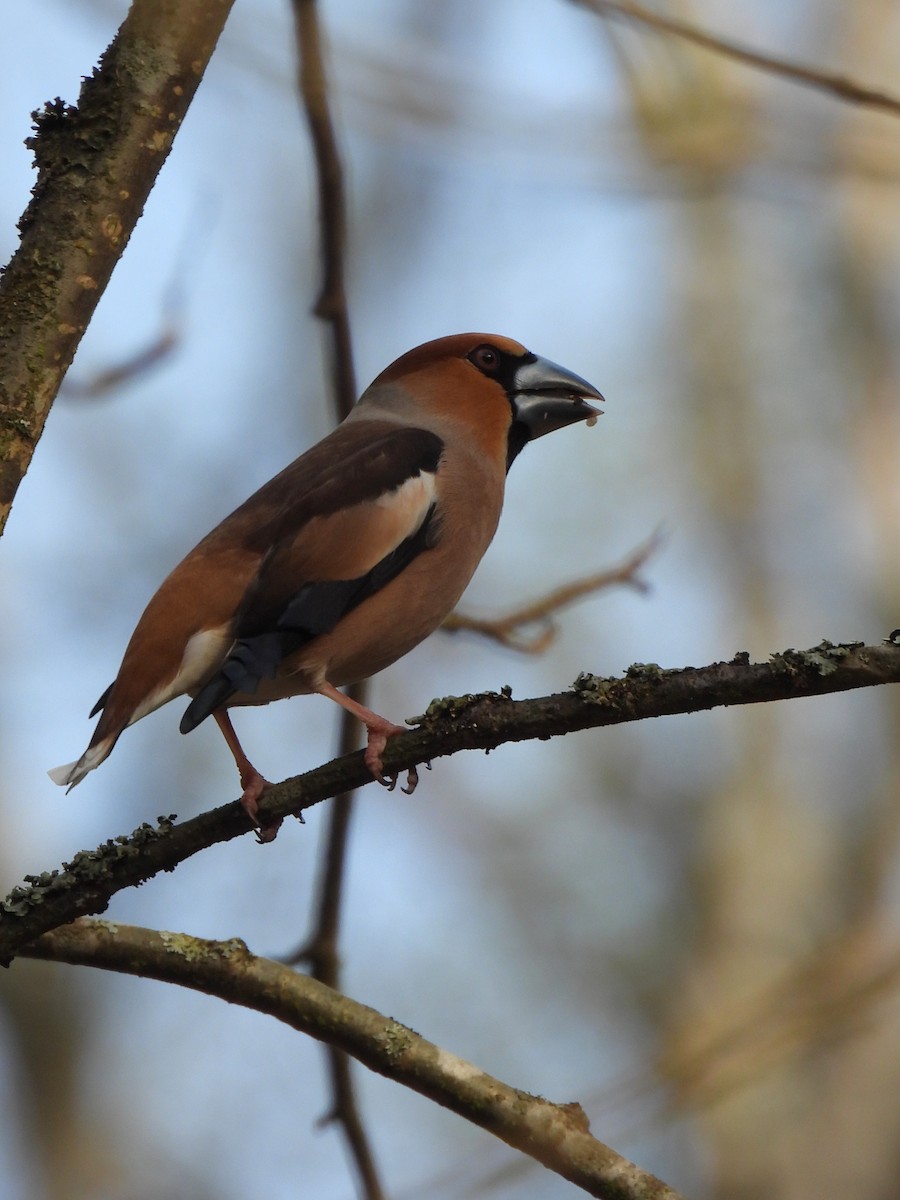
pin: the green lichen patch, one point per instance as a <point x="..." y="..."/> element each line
<point x="453" y="707"/>
<point x="823" y="659"/>
<point x="645" y="672"/>
<point x="396" y="1040"/>
<point x="86" y="867"/>
<point x="194" y="949"/>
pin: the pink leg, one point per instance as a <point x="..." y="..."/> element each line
<point x="251" y="781"/>
<point x="379" y="730"/>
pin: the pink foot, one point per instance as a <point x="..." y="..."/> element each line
<point x="375" y="746"/>
<point x="251" y="781"/>
<point x="254" y="786"/>
<point x="379" y="730"/>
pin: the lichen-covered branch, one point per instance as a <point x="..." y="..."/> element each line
<point x="96" y="165"/>
<point x="557" y="1135"/>
<point x="459" y="723"/>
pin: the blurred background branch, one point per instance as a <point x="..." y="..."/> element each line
<point x="321" y="951"/>
<point x="836" y="85"/>
<point x="516" y="630"/>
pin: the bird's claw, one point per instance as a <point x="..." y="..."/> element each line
<point x="373" y="762"/>
<point x="254" y="785"/>
<point x="412" y="781"/>
<point x="267" y="833"/>
<point x="378" y="739"/>
<point x="390" y="781"/>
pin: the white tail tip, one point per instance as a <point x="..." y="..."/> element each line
<point x="70" y="774"/>
<point x="63" y="775"/>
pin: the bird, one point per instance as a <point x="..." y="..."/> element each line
<point x="349" y="557"/>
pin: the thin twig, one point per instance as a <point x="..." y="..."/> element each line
<point x="331" y="306"/>
<point x="814" y="1004"/>
<point x="826" y="81"/>
<point x="322" y="954"/>
<point x="557" y="1135"/>
<point x="811" y="1008"/>
<point x="511" y="629"/>
<point x="172" y="322"/>
<point x="128" y="369"/>
<point x="88" y="882"/>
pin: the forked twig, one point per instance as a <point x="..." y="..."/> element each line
<point x="512" y="628"/>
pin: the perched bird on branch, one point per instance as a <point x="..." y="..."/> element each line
<point x="350" y="556"/>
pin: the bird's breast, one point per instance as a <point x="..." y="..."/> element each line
<point x="469" y="497"/>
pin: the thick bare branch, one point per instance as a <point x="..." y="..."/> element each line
<point x="826" y="81"/>
<point x="459" y="723"/>
<point x="557" y="1135"/>
<point x="96" y="166"/>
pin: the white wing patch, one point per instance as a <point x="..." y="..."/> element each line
<point x="409" y="503"/>
<point x="204" y="652"/>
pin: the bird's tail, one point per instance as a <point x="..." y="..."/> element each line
<point x="70" y="774"/>
<point x="105" y="737"/>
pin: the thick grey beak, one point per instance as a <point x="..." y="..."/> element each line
<point x="548" y="397"/>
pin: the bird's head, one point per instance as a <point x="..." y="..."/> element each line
<point x="495" y="385"/>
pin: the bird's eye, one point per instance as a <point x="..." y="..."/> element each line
<point x="486" y="358"/>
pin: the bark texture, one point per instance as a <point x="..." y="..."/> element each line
<point x="96" y="165"/>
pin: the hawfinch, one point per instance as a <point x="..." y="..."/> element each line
<point x="350" y="556"/>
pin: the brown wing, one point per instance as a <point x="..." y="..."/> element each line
<point x="252" y="564"/>
<point x="321" y="568"/>
<point x="359" y="462"/>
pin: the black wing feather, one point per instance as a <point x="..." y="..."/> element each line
<point x="101" y="703"/>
